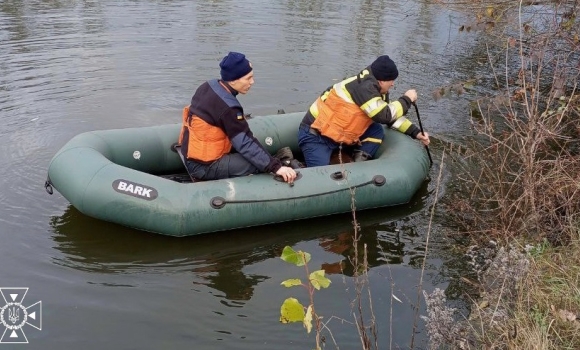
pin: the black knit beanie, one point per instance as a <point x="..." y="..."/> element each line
<point x="234" y="66"/>
<point x="384" y="68"/>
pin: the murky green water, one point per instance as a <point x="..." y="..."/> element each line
<point x="68" y="67"/>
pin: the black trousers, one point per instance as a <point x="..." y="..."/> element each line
<point x="230" y="165"/>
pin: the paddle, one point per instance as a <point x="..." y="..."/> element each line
<point x="421" y="127"/>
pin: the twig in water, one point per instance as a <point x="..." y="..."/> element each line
<point x="420" y="287"/>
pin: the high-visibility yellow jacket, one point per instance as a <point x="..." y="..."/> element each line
<point x="345" y="110"/>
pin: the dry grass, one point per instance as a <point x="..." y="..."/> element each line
<point x="549" y="303"/>
<point x="520" y="187"/>
<point x="521" y="177"/>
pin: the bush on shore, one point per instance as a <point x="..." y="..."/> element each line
<point x="520" y="186"/>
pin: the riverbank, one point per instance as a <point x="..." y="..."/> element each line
<point x="519" y="200"/>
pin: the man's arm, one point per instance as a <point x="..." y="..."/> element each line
<point x="238" y="131"/>
<point x="392" y="114"/>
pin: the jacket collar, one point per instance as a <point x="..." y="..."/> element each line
<point x="227" y="86"/>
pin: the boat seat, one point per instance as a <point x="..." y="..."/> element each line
<point x="177" y="148"/>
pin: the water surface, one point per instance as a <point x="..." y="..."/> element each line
<point x="68" y="67"/>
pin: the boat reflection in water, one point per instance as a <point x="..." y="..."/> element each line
<point x="218" y="260"/>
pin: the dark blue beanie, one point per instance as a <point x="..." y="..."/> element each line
<point x="384" y="69"/>
<point x="234" y="66"/>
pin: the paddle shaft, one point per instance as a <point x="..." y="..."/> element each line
<point x="421" y="127"/>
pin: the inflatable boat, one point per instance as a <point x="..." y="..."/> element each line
<point x="128" y="177"/>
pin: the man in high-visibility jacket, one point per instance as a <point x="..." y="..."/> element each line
<point x="214" y="123"/>
<point x="351" y="113"/>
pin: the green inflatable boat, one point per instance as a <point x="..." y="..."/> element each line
<point x="121" y="176"/>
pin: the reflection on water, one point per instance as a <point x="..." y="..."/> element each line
<point x="388" y="244"/>
<point x="218" y="260"/>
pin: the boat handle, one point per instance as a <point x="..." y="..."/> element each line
<point x="48" y="186"/>
<point x="279" y="178"/>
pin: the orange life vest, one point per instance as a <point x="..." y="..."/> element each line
<point x="340" y="120"/>
<point x="205" y="142"/>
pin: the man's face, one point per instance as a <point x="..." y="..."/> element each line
<point x="243" y="84"/>
<point x="386" y="86"/>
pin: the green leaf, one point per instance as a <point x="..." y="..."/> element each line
<point x="318" y="280"/>
<point x="308" y="319"/>
<point x="298" y="258"/>
<point x="291" y="311"/>
<point x="292" y="282"/>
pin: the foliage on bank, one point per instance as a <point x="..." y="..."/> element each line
<point x="520" y="185"/>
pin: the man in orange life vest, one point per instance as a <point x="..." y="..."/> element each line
<point x="351" y="112"/>
<point x="214" y="122"/>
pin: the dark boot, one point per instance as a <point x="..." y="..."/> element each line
<point x="360" y="156"/>
<point x="296" y="164"/>
<point x="287" y="158"/>
<point x="284" y="153"/>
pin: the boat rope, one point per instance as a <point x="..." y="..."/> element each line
<point x="220" y="202"/>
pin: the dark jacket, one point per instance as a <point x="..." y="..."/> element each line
<point x="216" y="104"/>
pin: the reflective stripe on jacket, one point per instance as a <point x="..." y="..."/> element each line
<point x="345" y="110"/>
